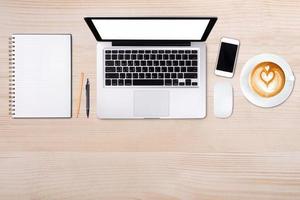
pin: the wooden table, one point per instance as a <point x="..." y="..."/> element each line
<point x="255" y="154"/>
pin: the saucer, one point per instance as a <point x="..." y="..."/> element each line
<point x="252" y="96"/>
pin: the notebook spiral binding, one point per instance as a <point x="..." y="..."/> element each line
<point x="12" y="76"/>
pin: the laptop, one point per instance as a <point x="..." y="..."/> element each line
<point x="151" y="67"/>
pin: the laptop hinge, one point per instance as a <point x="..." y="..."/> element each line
<point x="151" y="43"/>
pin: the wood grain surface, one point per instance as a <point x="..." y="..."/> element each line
<point x="255" y="154"/>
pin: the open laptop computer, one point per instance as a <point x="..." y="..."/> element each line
<point x="151" y="67"/>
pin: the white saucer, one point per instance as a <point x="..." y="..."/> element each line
<point x="271" y="101"/>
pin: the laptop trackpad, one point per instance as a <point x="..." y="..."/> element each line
<point x="151" y="104"/>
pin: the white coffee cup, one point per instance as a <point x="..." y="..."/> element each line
<point x="255" y="98"/>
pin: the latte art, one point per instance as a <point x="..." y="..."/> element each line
<point x="267" y="79"/>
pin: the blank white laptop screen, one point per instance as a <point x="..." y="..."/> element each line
<point x="147" y="29"/>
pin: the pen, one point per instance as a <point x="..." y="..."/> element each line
<point x="87" y="95"/>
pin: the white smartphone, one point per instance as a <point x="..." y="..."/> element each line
<point x="227" y="57"/>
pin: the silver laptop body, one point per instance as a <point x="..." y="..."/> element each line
<point x="141" y="79"/>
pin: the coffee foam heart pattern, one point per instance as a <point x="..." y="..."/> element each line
<point x="267" y="79"/>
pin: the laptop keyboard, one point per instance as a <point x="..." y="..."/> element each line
<point x="142" y="67"/>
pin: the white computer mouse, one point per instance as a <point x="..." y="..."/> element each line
<point x="223" y="99"/>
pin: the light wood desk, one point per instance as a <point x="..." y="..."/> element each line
<point x="255" y="154"/>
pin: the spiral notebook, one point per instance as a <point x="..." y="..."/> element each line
<point x="40" y="76"/>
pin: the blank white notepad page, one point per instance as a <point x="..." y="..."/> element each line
<point x="42" y="75"/>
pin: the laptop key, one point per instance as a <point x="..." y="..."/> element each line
<point x="122" y="75"/>
<point x="125" y="69"/>
<point x="162" y="63"/>
<point x="128" y="75"/>
<point x="124" y="63"/>
<point x="127" y="56"/>
<point x="119" y="69"/>
<point x="140" y="56"/>
<point x="141" y="75"/>
<point x="138" y="69"/>
<point x="117" y="63"/>
<point x="148" y="82"/>
<point x="114" y="82"/>
<point x="109" y="63"/>
<point x="175" y="81"/>
<point x="107" y="82"/>
<point x="108" y="57"/>
<point x="110" y="69"/>
<point x="120" y="56"/>
<point x="194" y="63"/>
<point x="130" y="63"/>
<point x="128" y="82"/>
<point x="194" y="83"/>
<point x="131" y="69"/>
<point x="133" y="56"/>
<point x="192" y="69"/>
<point x="193" y="56"/>
<point x="149" y="63"/>
<point x="111" y="75"/>
<point x="114" y="56"/>
<point x="145" y="69"/>
<point x="151" y="69"/>
<point x="120" y="82"/>
<point x="190" y="75"/>
<point x="148" y="75"/>
<point x="160" y="75"/>
<point x="137" y="63"/>
<point x="188" y="82"/>
<point x="168" y="82"/>
<point x="135" y="75"/>
<point x="146" y="56"/>
<point x="170" y="69"/>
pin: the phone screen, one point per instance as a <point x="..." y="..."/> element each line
<point x="227" y="57"/>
